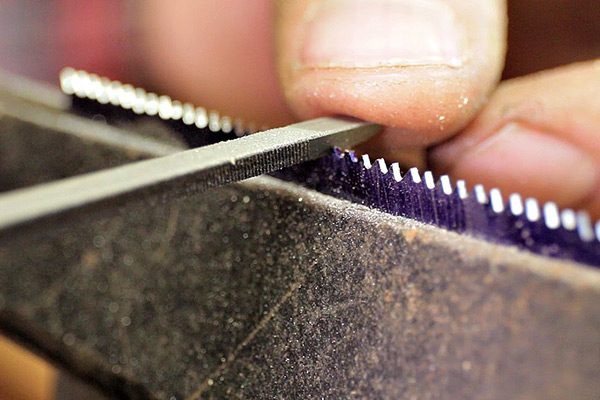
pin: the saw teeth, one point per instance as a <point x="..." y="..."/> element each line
<point x="414" y="175"/>
<point x="480" y="194"/>
<point x="424" y="199"/>
<point x="395" y="167"/>
<point x="366" y="161"/>
<point x="429" y="181"/>
<point x="542" y="229"/>
<point x="532" y="210"/>
<point x="461" y="189"/>
<point x="584" y="227"/>
<point x="516" y="204"/>
<point x="382" y="166"/>
<point x="446" y="184"/>
<point x="496" y="201"/>
<point x="551" y="215"/>
<point x="568" y="219"/>
<point x="90" y="86"/>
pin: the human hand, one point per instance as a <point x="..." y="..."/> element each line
<point x="423" y="68"/>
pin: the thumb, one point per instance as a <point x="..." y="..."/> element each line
<point x="420" y="67"/>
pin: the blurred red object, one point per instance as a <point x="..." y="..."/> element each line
<point x="38" y="38"/>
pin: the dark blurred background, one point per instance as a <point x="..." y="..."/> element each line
<point x="38" y="38"/>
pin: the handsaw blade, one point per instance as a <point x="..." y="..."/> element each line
<point x="541" y="229"/>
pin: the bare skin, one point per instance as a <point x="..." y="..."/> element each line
<point x="429" y="70"/>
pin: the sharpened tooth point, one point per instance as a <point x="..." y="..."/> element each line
<point x="366" y="161"/>
<point x="189" y="115"/>
<point x="381" y="164"/>
<point x="114" y="95"/>
<point x="446" y="184"/>
<point x="515" y="203"/>
<point x="395" y="167"/>
<point x="138" y="103"/>
<point x="177" y="113"/>
<point x="568" y="219"/>
<point x="214" y="121"/>
<point x="238" y="128"/>
<point x="551" y="215"/>
<point x="532" y="210"/>
<point x="93" y="90"/>
<point x="584" y="226"/>
<point x="165" y="109"/>
<point x="496" y="201"/>
<point x="127" y="96"/>
<point x="80" y="83"/>
<point x="429" y="181"/>
<point x="461" y="189"/>
<point x="151" y="106"/>
<point x="201" y="118"/>
<point x="103" y="96"/>
<point x="66" y="80"/>
<point x="480" y="194"/>
<point x="226" y="124"/>
<point x="414" y="175"/>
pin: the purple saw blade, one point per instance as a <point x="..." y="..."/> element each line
<point x="522" y="223"/>
<point x="543" y="230"/>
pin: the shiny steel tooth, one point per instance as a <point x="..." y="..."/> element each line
<point x="66" y="80"/>
<point x="584" y="226"/>
<point x="113" y="92"/>
<point x="480" y="194"/>
<point x="238" y="128"/>
<point x="201" y="118"/>
<point x="461" y="189"/>
<point x="177" y="110"/>
<point x="127" y="96"/>
<point x="214" y="121"/>
<point x="80" y="82"/>
<point x="551" y="215"/>
<point x="429" y="181"/>
<point x="91" y="86"/>
<point x="366" y="161"/>
<point x="226" y="125"/>
<point x="381" y="164"/>
<point x="515" y="203"/>
<point x="189" y="114"/>
<point x="140" y="99"/>
<point x="414" y="175"/>
<point x="92" y="90"/>
<point x="151" y="106"/>
<point x="568" y="219"/>
<point x="395" y="167"/>
<point x="103" y="97"/>
<point x="496" y="201"/>
<point x="446" y="184"/>
<point x="165" y="109"/>
<point x="532" y="209"/>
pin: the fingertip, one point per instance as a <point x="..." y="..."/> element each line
<point x="531" y="141"/>
<point x="422" y="67"/>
